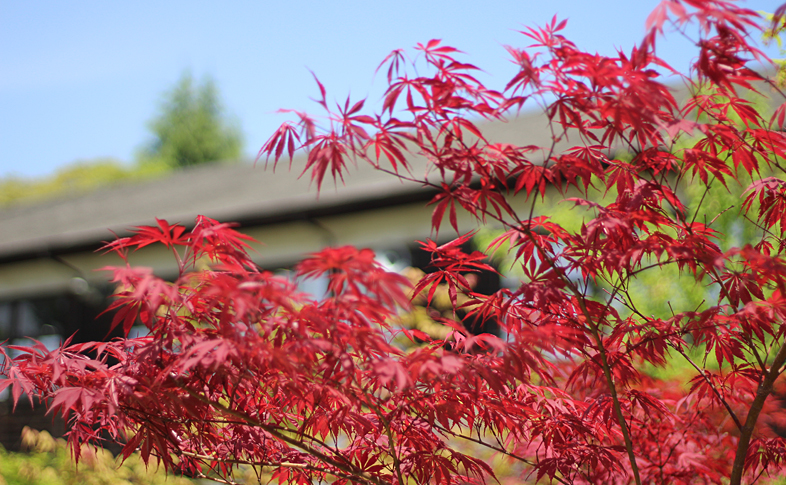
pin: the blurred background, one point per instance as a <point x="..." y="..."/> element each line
<point x="100" y="100"/>
<point x="90" y="83"/>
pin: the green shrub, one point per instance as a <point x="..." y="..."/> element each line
<point x="48" y="461"/>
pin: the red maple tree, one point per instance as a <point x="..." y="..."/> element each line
<point x="241" y="369"/>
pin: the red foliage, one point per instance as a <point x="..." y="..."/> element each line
<point x="241" y="368"/>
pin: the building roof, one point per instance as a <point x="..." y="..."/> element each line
<point x="239" y="192"/>
<point x="45" y="247"/>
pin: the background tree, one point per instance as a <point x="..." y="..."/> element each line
<point x="192" y="127"/>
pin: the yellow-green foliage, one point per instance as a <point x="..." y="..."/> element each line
<point x="73" y="179"/>
<point x="775" y="34"/>
<point x="49" y="462"/>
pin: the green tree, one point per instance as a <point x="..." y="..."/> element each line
<point x="192" y="127"/>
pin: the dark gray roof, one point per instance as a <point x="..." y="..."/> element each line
<point x="252" y="196"/>
<point x="227" y="192"/>
<point x="222" y="191"/>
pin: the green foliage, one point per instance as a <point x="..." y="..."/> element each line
<point x="192" y="128"/>
<point x="49" y="462"/>
<point x="775" y="34"/>
<point x="76" y="178"/>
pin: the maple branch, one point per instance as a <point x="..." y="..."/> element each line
<point x="753" y="350"/>
<point x="243" y="462"/>
<point x="604" y="361"/>
<point x="766" y="230"/>
<point x="394" y="449"/>
<point x="283" y="464"/>
<point x="425" y="183"/>
<point x="699" y="370"/>
<point x="704" y="196"/>
<point x="605" y="365"/>
<point x="614" y="396"/>
<point x="490" y="446"/>
<point x="216" y="479"/>
<point x="345" y="467"/>
<point x="763" y="392"/>
<point x="712" y="386"/>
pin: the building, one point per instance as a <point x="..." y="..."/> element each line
<point x="51" y="286"/>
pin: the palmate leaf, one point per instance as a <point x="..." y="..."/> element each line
<point x="285" y="138"/>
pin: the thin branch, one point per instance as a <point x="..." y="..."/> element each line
<point x="763" y="392"/>
<point x="244" y="462"/>
<point x="345" y="467"/>
<point x="216" y="479"/>
<point x="712" y="386"/>
<point x="498" y="449"/>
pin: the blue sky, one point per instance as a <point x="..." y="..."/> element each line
<point x="81" y="79"/>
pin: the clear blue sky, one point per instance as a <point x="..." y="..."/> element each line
<point x="80" y="80"/>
